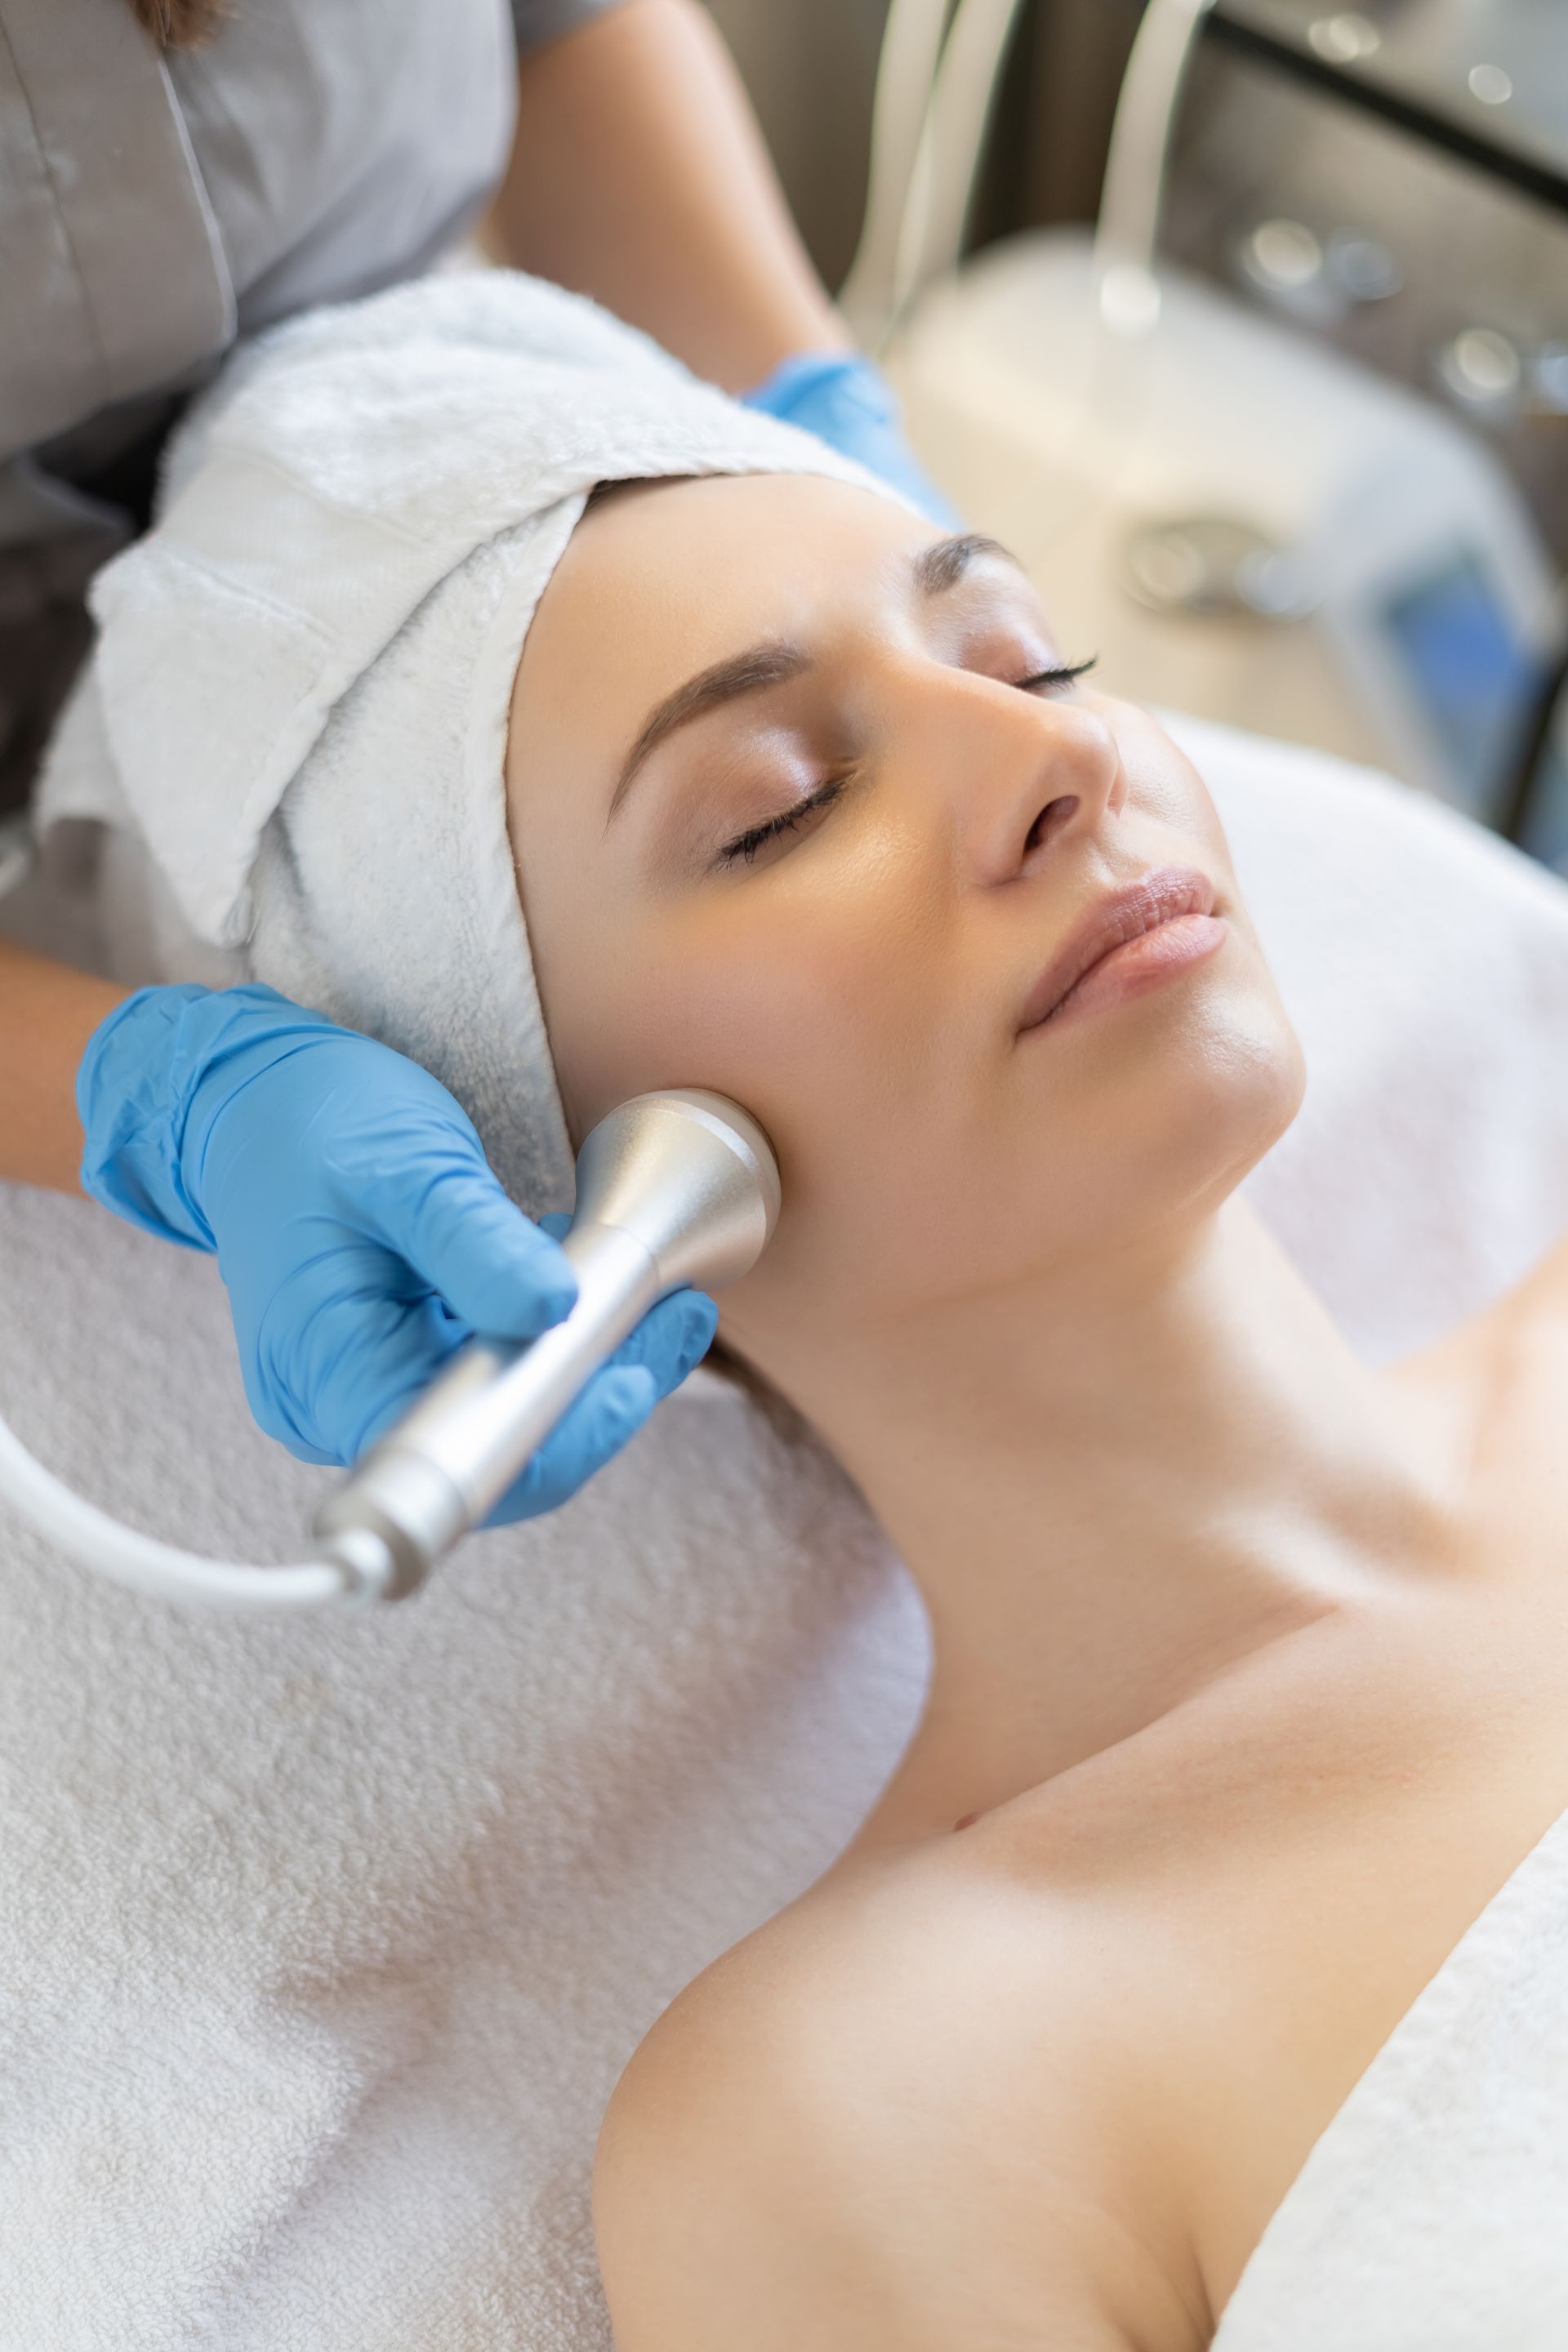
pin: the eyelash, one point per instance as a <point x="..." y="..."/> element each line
<point x="745" y="845"/>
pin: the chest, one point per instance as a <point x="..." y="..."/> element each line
<point x="1226" y="1949"/>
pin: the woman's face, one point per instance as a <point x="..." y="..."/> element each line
<point x="806" y="814"/>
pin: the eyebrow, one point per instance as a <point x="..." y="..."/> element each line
<point x="775" y="662"/>
<point x="942" y="565"/>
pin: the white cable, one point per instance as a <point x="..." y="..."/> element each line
<point x="906" y="71"/>
<point x="1127" y="238"/>
<point x="148" y="1566"/>
<point x="122" y="1553"/>
<point x="957" y="120"/>
<point x="935" y="90"/>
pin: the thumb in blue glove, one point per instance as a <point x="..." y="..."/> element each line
<point x="360" y="1231"/>
<point x="845" y="400"/>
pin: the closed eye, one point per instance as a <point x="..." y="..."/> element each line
<point x="743" y="849"/>
<point x="745" y="845"/>
<point x="1061" y="676"/>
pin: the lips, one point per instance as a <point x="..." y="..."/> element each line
<point x="1165" y="896"/>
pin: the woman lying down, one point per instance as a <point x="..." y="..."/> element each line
<point x="1202" y="1976"/>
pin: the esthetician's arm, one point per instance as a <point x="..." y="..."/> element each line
<point x="639" y="176"/>
<point x="345" y="1194"/>
<point x="48" y="1012"/>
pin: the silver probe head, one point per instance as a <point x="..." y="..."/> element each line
<point x="673" y="1189"/>
<point x="690" y="1176"/>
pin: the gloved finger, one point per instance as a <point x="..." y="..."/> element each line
<point x="458" y="1231"/>
<point x="905" y="473"/>
<point x="671" y="1339"/>
<point x="881" y="448"/>
<point x="328" y="1377"/>
<point x="611" y="1410"/>
<point x="844" y="398"/>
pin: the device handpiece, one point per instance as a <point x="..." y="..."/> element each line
<point x="672" y="1188"/>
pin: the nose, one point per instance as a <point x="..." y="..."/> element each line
<point x="1022" y="774"/>
<point x="1052" y="770"/>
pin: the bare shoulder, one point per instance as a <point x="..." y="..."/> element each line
<point x="842" y="2136"/>
<point x="1538" y="1298"/>
<point x="1499" y="1384"/>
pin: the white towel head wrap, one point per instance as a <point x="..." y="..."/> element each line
<point x="301" y="685"/>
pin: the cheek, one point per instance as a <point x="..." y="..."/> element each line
<point x="818" y="1006"/>
<point x="790" y="1016"/>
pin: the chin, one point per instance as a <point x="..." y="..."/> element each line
<point x="1227" y="1098"/>
<point x="1165" y="1127"/>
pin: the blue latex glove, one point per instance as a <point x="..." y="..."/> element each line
<point x="842" y="398"/>
<point x="360" y="1231"/>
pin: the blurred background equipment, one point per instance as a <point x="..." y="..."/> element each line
<point x="1287" y="439"/>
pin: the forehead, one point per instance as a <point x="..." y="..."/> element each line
<point x="714" y="562"/>
<point x="662" y="579"/>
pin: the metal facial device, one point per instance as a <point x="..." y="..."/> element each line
<point x="672" y="1189"/>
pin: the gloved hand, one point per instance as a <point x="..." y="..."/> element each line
<point x="842" y="398"/>
<point x="357" y="1225"/>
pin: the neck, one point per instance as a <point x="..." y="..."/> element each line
<point x="1112" y="1485"/>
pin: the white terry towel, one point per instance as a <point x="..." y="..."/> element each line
<point x="298" y="698"/>
<point x="1432" y="2216"/>
<point x="322" y="1943"/>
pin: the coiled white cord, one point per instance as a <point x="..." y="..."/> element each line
<point x="146" y="1565"/>
<point x="936" y="85"/>
<point x="1128" y="234"/>
<point x="905" y="69"/>
<point x="956" y="132"/>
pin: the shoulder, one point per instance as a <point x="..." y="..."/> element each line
<point x="719" y="2210"/>
<point x="840" y="2136"/>
<point x="1497" y="1387"/>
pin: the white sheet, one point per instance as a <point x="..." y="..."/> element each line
<point x="322" y="1943"/>
<point x="1428" y="2217"/>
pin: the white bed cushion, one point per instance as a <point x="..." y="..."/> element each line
<point x="323" y="1942"/>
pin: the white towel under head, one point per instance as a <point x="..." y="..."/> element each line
<point x="299" y="696"/>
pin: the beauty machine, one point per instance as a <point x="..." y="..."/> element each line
<point x="672" y="1189"/>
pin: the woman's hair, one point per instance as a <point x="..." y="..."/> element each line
<point x="180" y="24"/>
